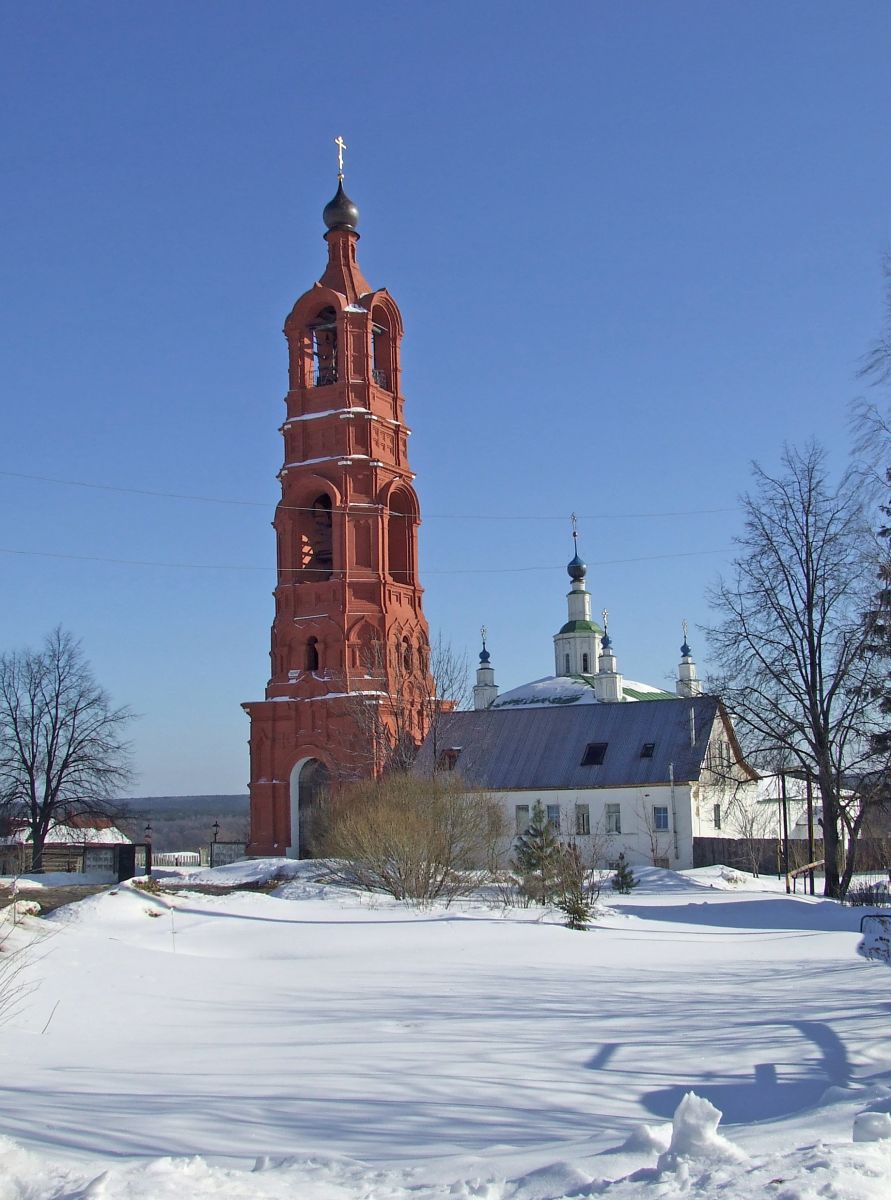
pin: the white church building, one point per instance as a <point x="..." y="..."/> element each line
<point x="617" y="765"/>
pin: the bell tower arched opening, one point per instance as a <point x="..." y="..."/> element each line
<point x="401" y="537"/>
<point x="309" y="784"/>
<point x="311" y="658"/>
<point x="382" y="372"/>
<point x="316" y="538"/>
<point x="323" y="348"/>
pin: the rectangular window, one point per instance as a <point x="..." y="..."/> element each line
<point x="566" y="660"/>
<point x="613" y="818"/>
<point x="522" y="811"/>
<point x="582" y="820"/>
<point x="647" y="749"/>
<point x="717" y="816"/>
<point x="554" y="817"/>
<point x="660" y="818"/>
<point x="595" y="752"/>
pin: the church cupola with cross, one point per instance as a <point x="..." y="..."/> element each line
<point x="577" y="643"/>
<point x="349" y="638"/>
<point x="485" y="690"/>
<point x="688" y="682"/>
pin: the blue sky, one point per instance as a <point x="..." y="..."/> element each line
<point x="635" y="246"/>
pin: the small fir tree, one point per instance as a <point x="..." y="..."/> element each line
<point x="537" y="856"/>
<point x="623" y="880"/>
<point x="575" y="895"/>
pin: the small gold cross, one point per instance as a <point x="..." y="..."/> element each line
<point x="341" y="146"/>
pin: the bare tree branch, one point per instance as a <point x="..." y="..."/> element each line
<point x="63" y="754"/>
<point x="796" y="669"/>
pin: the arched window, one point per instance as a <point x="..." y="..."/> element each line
<point x="406" y="655"/>
<point x="311" y="662"/>
<point x="400" y="538"/>
<point x="584" y="664"/>
<point x="567" y="664"/>
<point x="323" y="344"/>
<point x="316" y="552"/>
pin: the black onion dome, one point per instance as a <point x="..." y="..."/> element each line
<point x="685" y="649"/>
<point x="485" y="656"/>
<point x="606" y="642"/>
<point x="576" y="568"/>
<point x="341" y="213"/>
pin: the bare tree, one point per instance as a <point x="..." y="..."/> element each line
<point x="402" y="705"/>
<point x="877" y="363"/>
<point x="448" y="689"/>
<point x="417" y="839"/>
<point x="62" y="750"/>
<point x="795" y="668"/>
<point x="753" y="824"/>
<point x="872" y="450"/>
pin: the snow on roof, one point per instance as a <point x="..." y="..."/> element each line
<point x="82" y="831"/>
<point x="306" y="462"/>
<point x="571" y="689"/>
<point x="357" y="410"/>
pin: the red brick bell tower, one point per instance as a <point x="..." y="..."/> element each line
<point x="349" y="633"/>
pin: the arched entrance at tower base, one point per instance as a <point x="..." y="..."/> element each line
<point x="309" y="782"/>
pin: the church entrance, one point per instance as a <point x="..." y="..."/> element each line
<point x="309" y="786"/>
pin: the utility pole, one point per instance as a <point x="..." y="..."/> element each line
<point x="810" y="828"/>
<point x="785" y="829"/>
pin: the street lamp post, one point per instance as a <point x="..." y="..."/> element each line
<point x="147" y="835"/>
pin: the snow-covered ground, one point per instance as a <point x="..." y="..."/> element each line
<point x="320" y="1044"/>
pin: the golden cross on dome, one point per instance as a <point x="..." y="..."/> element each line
<point x="684" y="623"/>
<point x="341" y="146"/>
<point x="605" y="616"/>
<point x="484" y="633"/>
<point x="574" y="519"/>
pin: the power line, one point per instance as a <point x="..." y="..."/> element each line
<point x="191" y="566"/>
<point x="129" y="491"/>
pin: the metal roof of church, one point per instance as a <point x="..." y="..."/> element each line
<point x="509" y="749"/>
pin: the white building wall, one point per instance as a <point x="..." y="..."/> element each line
<point x="640" y="836"/>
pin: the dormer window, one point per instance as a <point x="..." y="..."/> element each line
<point x="595" y="752"/>
<point x="448" y="759"/>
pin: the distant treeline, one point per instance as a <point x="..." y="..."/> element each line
<point x="184" y="822"/>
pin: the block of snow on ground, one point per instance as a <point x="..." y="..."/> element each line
<point x="872" y="1126"/>
<point x="876" y="943"/>
<point x="694" y="1135"/>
